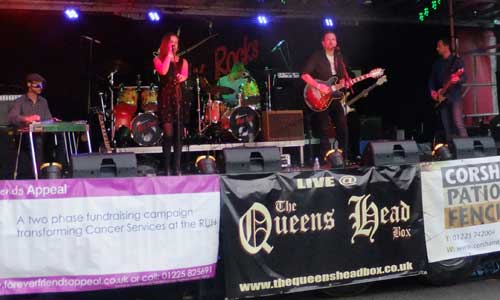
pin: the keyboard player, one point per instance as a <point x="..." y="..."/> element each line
<point x="32" y="107"/>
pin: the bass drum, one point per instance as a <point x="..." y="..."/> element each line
<point x="146" y="129"/>
<point x="243" y="122"/>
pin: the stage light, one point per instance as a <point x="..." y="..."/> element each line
<point x="154" y="16"/>
<point x="262" y="20"/>
<point x="496" y="21"/>
<point x="441" y="152"/>
<point x="329" y="22"/>
<point x="71" y="13"/>
<point x="206" y="164"/>
<point x="335" y="157"/>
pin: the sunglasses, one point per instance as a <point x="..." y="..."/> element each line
<point x="37" y="86"/>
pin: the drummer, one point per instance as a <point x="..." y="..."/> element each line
<point x="234" y="80"/>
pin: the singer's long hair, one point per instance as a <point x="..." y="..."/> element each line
<point x="164" y="45"/>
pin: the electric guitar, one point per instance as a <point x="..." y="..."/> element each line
<point x="318" y="101"/>
<point x="363" y="94"/>
<point x="442" y="91"/>
<point x="105" y="139"/>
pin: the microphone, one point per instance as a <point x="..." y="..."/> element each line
<point x="90" y="39"/>
<point x="278" y="45"/>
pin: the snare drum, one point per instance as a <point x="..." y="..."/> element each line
<point x="146" y="130"/>
<point x="243" y="122"/>
<point x="128" y="95"/>
<point x="214" y="110"/>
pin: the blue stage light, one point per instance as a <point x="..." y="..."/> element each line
<point x="71" y="13"/>
<point x="329" y="22"/>
<point x="262" y="20"/>
<point x="154" y="16"/>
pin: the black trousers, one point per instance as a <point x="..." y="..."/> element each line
<point x="321" y="121"/>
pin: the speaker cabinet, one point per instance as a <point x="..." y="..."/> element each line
<point x="473" y="147"/>
<point x="380" y="153"/>
<point x="282" y="125"/>
<point x="100" y="165"/>
<point x="252" y="160"/>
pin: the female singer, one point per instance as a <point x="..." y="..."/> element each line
<point x="173" y="109"/>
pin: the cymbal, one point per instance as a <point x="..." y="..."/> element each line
<point x="222" y="90"/>
<point x="117" y="65"/>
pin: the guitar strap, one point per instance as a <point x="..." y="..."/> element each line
<point x="450" y="66"/>
<point x="340" y="63"/>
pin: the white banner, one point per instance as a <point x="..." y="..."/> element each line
<point x="461" y="203"/>
<point x="72" y="235"/>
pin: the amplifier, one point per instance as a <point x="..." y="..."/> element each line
<point x="282" y="125"/>
<point x="6" y="102"/>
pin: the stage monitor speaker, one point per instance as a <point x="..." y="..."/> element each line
<point x="282" y="125"/>
<point x="473" y="147"/>
<point x="383" y="153"/>
<point x="100" y="165"/>
<point x="252" y="160"/>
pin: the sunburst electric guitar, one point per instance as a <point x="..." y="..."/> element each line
<point x="363" y="94"/>
<point x="318" y="101"/>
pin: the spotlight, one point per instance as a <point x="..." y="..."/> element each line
<point x="329" y="22"/>
<point x="335" y="158"/>
<point x="441" y="152"/>
<point x="262" y="20"/>
<point x="154" y="15"/>
<point x="206" y="164"/>
<point x="71" y="14"/>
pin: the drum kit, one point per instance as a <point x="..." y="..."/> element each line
<point x="144" y="127"/>
<point x="222" y="123"/>
<point x="135" y="114"/>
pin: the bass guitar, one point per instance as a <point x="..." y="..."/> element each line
<point x="319" y="101"/>
<point x="441" y="93"/>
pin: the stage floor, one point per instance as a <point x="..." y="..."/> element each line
<point x="219" y="147"/>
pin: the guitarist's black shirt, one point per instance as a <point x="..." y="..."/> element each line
<point x="318" y="66"/>
<point x="441" y="72"/>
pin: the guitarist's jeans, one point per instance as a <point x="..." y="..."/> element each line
<point x="336" y="112"/>
<point x="453" y="122"/>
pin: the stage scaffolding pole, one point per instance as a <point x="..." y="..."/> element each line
<point x="452" y="27"/>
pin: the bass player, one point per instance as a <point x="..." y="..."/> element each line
<point x="449" y="67"/>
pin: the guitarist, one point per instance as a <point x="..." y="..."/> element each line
<point x="322" y="65"/>
<point x="442" y="73"/>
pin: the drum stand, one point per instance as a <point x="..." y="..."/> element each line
<point x="198" y="100"/>
<point x="269" y="86"/>
<point x="112" y="106"/>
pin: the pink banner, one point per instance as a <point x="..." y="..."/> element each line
<point x="98" y="282"/>
<point x="73" y="188"/>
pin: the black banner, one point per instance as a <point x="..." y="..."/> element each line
<point x="290" y="232"/>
